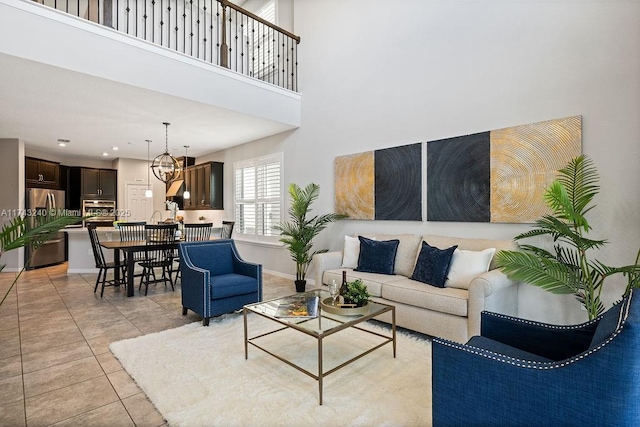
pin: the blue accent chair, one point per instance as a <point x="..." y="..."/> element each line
<point x="524" y="373"/>
<point x="215" y="280"/>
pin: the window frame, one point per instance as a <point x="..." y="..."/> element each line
<point x="255" y="163"/>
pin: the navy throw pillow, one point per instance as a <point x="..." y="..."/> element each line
<point x="377" y="256"/>
<point x="433" y="265"/>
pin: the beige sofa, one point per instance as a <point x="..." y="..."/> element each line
<point x="450" y="313"/>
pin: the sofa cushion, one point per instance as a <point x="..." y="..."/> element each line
<point x="377" y="257"/>
<point x="407" y="251"/>
<point x="373" y="281"/>
<point x="410" y="292"/>
<point x="471" y="244"/>
<point x="432" y="265"/>
<point x="351" y="252"/>
<point x="465" y="265"/>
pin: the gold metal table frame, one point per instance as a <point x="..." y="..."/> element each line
<point x="267" y="310"/>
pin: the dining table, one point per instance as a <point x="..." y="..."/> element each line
<point x="130" y="247"/>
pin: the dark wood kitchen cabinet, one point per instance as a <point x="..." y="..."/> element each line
<point x="205" y="183"/>
<point x="41" y="173"/>
<point x="99" y="183"/>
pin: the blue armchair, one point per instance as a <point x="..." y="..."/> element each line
<point x="215" y="280"/>
<point x="524" y="373"/>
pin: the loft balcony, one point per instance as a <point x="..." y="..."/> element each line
<point x="132" y="62"/>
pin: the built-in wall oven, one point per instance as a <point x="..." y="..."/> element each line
<point x="103" y="212"/>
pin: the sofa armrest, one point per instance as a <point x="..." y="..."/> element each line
<point x="493" y="291"/>
<point x="325" y="261"/>
<point x="196" y="292"/>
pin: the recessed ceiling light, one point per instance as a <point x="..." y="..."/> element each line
<point x="63" y="142"/>
<point x="114" y="148"/>
<point x="105" y="154"/>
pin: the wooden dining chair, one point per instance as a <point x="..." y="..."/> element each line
<point x="227" y="229"/>
<point x="133" y="231"/>
<point x="193" y="233"/>
<point x="102" y="265"/>
<point x="158" y="258"/>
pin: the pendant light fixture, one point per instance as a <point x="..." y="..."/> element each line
<point x="165" y="167"/>
<point x="148" y="192"/>
<point x="186" y="194"/>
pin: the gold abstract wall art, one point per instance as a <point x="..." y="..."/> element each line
<point x="524" y="161"/>
<point x="354" y="185"/>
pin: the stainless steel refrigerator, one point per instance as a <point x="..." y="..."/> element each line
<point x="42" y="201"/>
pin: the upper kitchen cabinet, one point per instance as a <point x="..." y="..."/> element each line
<point x="91" y="184"/>
<point x="41" y="173"/>
<point x="99" y="183"/>
<point x="205" y="184"/>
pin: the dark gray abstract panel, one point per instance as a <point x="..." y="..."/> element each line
<point x="398" y="183"/>
<point x="458" y="179"/>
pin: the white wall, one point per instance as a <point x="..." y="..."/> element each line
<point x="12" y="195"/>
<point x="375" y="75"/>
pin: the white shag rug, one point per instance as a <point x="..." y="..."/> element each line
<point x="198" y="376"/>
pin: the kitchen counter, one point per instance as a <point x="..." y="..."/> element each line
<point x="80" y="253"/>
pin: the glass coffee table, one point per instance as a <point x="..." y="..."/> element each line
<point x="320" y="327"/>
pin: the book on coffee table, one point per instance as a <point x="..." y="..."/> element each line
<point x="298" y="306"/>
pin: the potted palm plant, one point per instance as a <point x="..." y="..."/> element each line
<point x="568" y="268"/>
<point x="34" y="231"/>
<point x="297" y="234"/>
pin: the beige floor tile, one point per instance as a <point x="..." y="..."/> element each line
<point x="100" y="344"/>
<point x="124" y="385"/>
<point x="112" y="415"/>
<point x="9" y="321"/>
<point x="142" y="411"/>
<point x="34" y="328"/>
<point x="108" y="362"/>
<point x="12" y="414"/>
<point x="61" y="404"/>
<point x="55" y="356"/>
<point x="43" y="342"/>
<point x="10" y="366"/>
<point x="9" y="348"/>
<point x="107" y="327"/>
<point x="11" y="390"/>
<point x="60" y="376"/>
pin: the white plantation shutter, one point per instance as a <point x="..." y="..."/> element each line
<point x="258" y="195"/>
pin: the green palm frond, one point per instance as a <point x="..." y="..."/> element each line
<point x="545" y="273"/>
<point x="569" y="269"/>
<point x="34" y="231"/>
<point x="298" y="233"/>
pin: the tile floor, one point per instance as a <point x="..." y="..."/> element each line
<point x="55" y="364"/>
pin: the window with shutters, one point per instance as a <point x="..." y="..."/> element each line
<point x="258" y="196"/>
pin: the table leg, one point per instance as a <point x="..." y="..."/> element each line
<point x="320" y="373"/>
<point x="246" y="343"/>
<point x="393" y="329"/>
<point x="130" y="268"/>
<point x="116" y="272"/>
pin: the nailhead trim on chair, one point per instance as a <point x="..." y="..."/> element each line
<point x="530" y="364"/>
<point x="546" y="325"/>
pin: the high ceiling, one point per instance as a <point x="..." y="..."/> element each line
<point x="40" y="104"/>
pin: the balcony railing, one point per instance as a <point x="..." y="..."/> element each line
<point x="214" y="31"/>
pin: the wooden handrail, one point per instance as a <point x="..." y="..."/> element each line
<point x="257" y="18"/>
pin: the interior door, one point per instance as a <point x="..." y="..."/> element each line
<point x="137" y="206"/>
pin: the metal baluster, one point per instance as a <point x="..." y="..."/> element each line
<point x="169" y="26"/>
<point x="204" y="30"/>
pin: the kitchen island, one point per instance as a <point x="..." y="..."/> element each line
<point x="81" y="258"/>
<point x="80" y="253"/>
